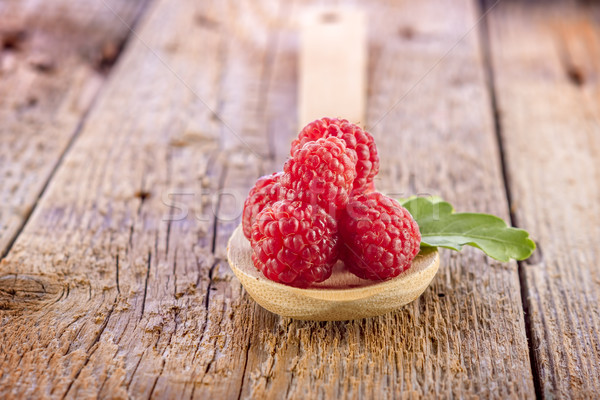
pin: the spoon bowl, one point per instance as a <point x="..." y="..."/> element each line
<point x="341" y="297"/>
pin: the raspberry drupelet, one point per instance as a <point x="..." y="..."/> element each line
<point x="267" y="190"/>
<point x="380" y="237"/>
<point x="294" y="243"/>
<point x="356" y="139"/>
<point x="321" y="173"/>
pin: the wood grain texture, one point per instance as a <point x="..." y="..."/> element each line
<point x="546" y="63"/>
<point x="105" y="292"/>
<point x="119" y="287"/>
<point x="54" y="57"/>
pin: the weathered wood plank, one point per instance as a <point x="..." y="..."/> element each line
<point x="546" y="67"/>
<point x="117" y="293"/>
<point x="105" y="292"/>
<point x="54" y="57"/>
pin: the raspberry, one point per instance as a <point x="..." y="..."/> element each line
<point x="294" y="243"/>
<point x="321" y="173"/>
<point x="267" y="190"/>
<point x="356" y="139"/>
<point x="369" y="188"/>
<point x="380" y="237"/>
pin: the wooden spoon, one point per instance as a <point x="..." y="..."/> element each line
<point x="341" y="297"/>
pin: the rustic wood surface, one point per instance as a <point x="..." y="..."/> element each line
<point x="54" y="57"/>
<point x="546" y="63"/>
<point x="117" y="284"/>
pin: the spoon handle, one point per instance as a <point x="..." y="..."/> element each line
<point x="333" y="62"/>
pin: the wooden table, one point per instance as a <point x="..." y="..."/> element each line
<point x="122" y="172"/>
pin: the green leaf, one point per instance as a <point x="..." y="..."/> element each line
<point x="440" y="226"/>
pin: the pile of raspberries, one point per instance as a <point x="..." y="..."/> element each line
<point x="324" y="207"/>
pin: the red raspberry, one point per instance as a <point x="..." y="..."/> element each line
<point x="356" y="139"/>
<point x="267" y="190"/>
<point x="370" y="188"/>
<point x="321" y="173"/>
<point x="294" y="243"/>
<point x="380" y="237"/>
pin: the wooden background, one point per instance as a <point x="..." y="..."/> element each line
<point x="113" y="111"/>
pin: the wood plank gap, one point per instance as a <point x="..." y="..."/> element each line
<point x="491" y="84"/>
<point x="220" y="187"/>
<point x="72" y="140"/>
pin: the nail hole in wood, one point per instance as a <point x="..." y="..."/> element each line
<point x="576" y="75"/>
<point x="142" y="194"/>
<point x="108" y="55"/>
<point x="329" y="18"/>
<point x="406" y="32"/>
<point x="207" y="22"/>
<point x="441" y="295"/>
<point x="13" y="40"/>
